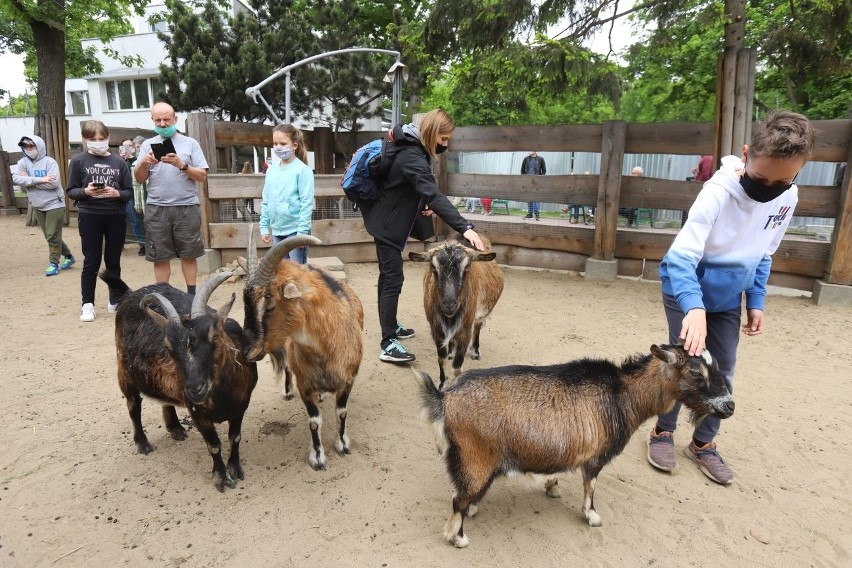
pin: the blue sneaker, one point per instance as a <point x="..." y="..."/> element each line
<point x="67" y="262"/>
<point x="402" y="332"/>
<point x="51" y="270"/>
<point x="394" y="352"/>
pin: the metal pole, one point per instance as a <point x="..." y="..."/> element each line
<point x="287" y="97"/>
<point x="396" y="100"/>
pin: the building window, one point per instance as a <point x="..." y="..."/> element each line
<point x="79" y="102"/>
<point x="131" y="94"/>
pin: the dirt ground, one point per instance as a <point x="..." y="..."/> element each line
<point x="75" y="493"/>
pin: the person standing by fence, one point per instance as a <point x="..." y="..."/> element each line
<point x="533" y="165"/>
<point x="101" y="184"/>
<point x="135" y="206"/>
<point x="172" y="211"/>
<point x="38" y="175"/>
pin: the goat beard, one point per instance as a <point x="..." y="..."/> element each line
<point x="696" y="418"/>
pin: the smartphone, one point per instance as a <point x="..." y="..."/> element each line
<point x="160" y="149"/>
<point x="99" y="186"/>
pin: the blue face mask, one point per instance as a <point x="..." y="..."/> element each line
<point x="283" y="152"/>
<point x="166" y="131"/>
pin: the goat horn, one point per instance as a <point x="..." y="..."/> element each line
<point x="199" y="303"/>
<point x="269" y="263"/>
<point x="251" y="254"/>
<point x="156" y="298"/>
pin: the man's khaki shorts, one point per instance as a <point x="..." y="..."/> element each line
<point x="172" y="232"/>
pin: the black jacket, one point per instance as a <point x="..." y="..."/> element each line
<point x="406" y="189"/>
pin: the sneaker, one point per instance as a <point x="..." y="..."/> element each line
<point x="51" y="270"/>
<point x="403" y="332"/>
<point x="395" y="353"/>
<point x="661" y="452"/>
<point x="111" y="308"/>
<point x="710" y="462"/>
<point x="141" y="250"/>
<point x="536" y="218"/>
<point x="528" y="216"/>
<point x="67" y="262"/>
<point x="87" y="312"/>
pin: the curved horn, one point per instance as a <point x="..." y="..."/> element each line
<point x="167" y="307"/>
<point x="251" y="254"/>
<point x="199" y="303"/>
<point x="269" y="262"/>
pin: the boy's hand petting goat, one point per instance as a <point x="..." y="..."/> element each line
<point x="549" y="419"/>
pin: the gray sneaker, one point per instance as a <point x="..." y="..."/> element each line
<point x="661" y="452"/>
<point x="710" y="462"/>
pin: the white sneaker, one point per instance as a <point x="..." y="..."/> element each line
<point x="87" y="312"/>
<point x="111" y="308"/>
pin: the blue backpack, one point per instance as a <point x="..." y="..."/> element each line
<point x="361" y="181"/>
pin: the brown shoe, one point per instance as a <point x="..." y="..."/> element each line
<point x="661" y="452"/>
<point x="710" y="462"/>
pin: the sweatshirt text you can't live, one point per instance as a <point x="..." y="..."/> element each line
<point x="725" y="247"/>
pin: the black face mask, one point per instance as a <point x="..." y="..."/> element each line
<point x="760" y="192"/>
<point x="440" y="149"/>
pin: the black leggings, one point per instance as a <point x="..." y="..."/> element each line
<point x="391" y="278"/>
<point x="99" y="235"/>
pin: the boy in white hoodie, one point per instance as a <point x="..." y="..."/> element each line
<point x="38" y="175"/>
<point x="723" y="251"/>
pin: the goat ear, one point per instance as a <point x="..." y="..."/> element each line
<point x="486" y="256"/>
<point x="226" y="308"/>
<point x="158" y="319"/>
<point x="666" y="353"/>
<point x="419" y="256"/>
<point x="290" y="291"/>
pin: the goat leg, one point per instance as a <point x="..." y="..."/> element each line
<point x="316" y="457"/>
<point x="551" y="487"/>
<point x="442" y="360"/>
<point x="454" y="529"/>
<point x="279" y="368"/>
<point x="214" y="446"/>
<point x="459" y="348"/>
<point x="474" y="348"/>
<point x="590" y="478"/>
<point x="235" y="470"/>
<point x="173" y="425"/>
<point x="342" y="443"/>
<point x="134" y="407"/>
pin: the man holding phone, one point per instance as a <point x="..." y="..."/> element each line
<point x="172" y="213"/>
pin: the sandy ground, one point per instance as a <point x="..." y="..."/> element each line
<point x="75" y="493"/>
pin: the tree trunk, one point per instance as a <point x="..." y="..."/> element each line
<point x="735" y="28"/>
<point x="50" y="52"/>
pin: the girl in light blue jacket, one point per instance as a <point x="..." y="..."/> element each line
<point x="288" y="191"/>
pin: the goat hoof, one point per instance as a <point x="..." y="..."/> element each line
<point x="289" y="396"/>
<point x="231" y="482"/>
<point x="178" y="434"/>
<point x="144" y="447"/>
<point x="236" y="472"/>
<point x="460" y="541"/>
<point x="472" y="510"/>
<point x="474" y="355"/>
<point x="594" y="519"/>
<point x="318" y="466"/>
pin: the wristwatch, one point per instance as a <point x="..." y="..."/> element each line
<point x="469" y="226"/>
<point x="185" y="167"/>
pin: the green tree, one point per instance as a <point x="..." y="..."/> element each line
<point x="49" y="33"/>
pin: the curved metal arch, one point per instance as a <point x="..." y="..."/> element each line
<point x="396" y="71"/>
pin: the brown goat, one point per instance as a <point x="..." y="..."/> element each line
<point x="550" y="419"/>
<point x="317" y="321"/>
<point x="460" y="288"/>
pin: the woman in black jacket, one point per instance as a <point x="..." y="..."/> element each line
<point x="409" y="196"/>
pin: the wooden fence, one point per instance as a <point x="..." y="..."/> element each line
<point x="797" y="263"/>
<point x="553" y="244"/>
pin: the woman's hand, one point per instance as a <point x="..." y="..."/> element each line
<point x="474" y="239"/>
<point x="426" y="211"/>
<point x="266" y="238"/>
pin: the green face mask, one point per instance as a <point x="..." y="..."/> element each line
<point x="167" y="131"/>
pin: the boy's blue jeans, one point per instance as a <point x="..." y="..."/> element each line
<point x="723" y="336"/>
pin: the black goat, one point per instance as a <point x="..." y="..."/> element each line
<point x="171" y="347"/>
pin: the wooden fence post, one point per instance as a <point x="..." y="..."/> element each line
<point x="839" y="266"/>
<point x="609" y="188"/>
<point x="323" y="150"/>
<point x="7" y="205"/>
<point x="200" y="126"/>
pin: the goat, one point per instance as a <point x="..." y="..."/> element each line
<point x="550" y="419"/>
<point x="317" y="321"/>
<point x="460" y="288"/>
<point x="171" y="347"/>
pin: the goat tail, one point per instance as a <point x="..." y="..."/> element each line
<point x="432" y="408"/>
<point x="116" y="285"/>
